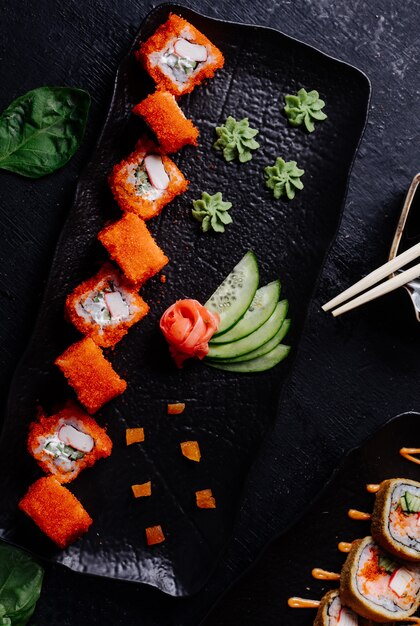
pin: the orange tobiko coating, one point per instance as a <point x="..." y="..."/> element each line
<point x="173" y="28"/>
<point x="90" y="374"/>
<point x="131" y="245"/>
<point x="371" y="569"/>
<point x="162" y="113"/>
<point x="56" y="511"/>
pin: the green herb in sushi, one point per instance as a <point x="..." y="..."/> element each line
<point x="304" y="108"/>
<point x="212" y="212"/>
<point x="142" y="183"/>
<point x="387" y="564"/>
<point x="182" y="67"/>
<point x="236" y="139"/>
<point x="283" y="178"/>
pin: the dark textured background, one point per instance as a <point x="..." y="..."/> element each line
<point x="370" y="369"/>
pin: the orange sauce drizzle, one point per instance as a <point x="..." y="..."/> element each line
<point x="372" y="488"/>
<point x="359" y="515"/>
<point x="407" y="453"/>
<point x="302" y="603"/>
<point x="322" y="574"/>
<point x="344" y="546"/>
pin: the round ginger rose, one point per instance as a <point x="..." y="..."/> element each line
<point x="188" y="327"/>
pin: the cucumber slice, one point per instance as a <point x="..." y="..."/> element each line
<point x="261" y="364"/>
<point x="254" y="340"/>
<point x="410" y="503"/>
<point x="266" y="347"/>
<point x="232" y="298"/>
<point x="260" y="309"/>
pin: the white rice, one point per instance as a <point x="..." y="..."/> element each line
<point x="378" y="591"/>
<point x="93" y="309"/>
<point x="152" y="193"/>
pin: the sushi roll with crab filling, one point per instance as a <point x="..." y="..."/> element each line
<point x="146" y="181"/>
<point x="105" y="307"/>
<point x="396" y="518"/>
<point x="56" y="511"/>
<point x="178" y="57"/>
<point x="331" y="612"/>
<point x="376" y="587"/>
<point x="162" y="113"/>
<point x="67" y="442"/>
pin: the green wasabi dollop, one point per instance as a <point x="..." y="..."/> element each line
<point x="304" y="108"/>
<point x="236" y="139"/>
<point x="283" y="178"/>
<point x="212" y="212"/>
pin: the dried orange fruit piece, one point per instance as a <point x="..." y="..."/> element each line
<point x="134" y="435"/>
<point x="191" y="450"/>
<point x="142" y="490"/>
<point x="205" y="499"/>
<point x="154" y="535"/>
<point x="176" y="408"/>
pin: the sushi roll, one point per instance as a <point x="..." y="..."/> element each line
<point x="396" y="518"/>
<point x="331" y="612"/>
<point x="90" y="374"/>
<point x="67" y="442"/>
<point x="178" y="57"/>
<point x="105" y="307"/>
<point x="131" y="245"/>
<point x="56" y="511"/>
<point x="376" y="587"/>
<point x="146" y="181"/>
<point x="162" y="113"/>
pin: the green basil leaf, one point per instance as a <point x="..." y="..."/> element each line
<point x="23" y="618"/>
<point x="20" y="584"/>
<point x="41" y="130"/>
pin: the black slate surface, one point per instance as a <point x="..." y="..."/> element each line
<point x="370" y="370"/>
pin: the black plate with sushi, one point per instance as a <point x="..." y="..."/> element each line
<point x="229" y="413"/>
<point x="326" y="538"/>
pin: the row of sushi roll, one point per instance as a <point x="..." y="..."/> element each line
<point x="380" y="579"/>
<point x="103" y="308"/>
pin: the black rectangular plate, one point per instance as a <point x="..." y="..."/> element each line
<point x="228" y="414"/>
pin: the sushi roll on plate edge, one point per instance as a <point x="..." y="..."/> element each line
<point x="376" y="587"/>
<point x="396" y="518"/>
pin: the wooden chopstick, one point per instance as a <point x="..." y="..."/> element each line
<point x="371" y="279"/>
<point x="380" y="290"/>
